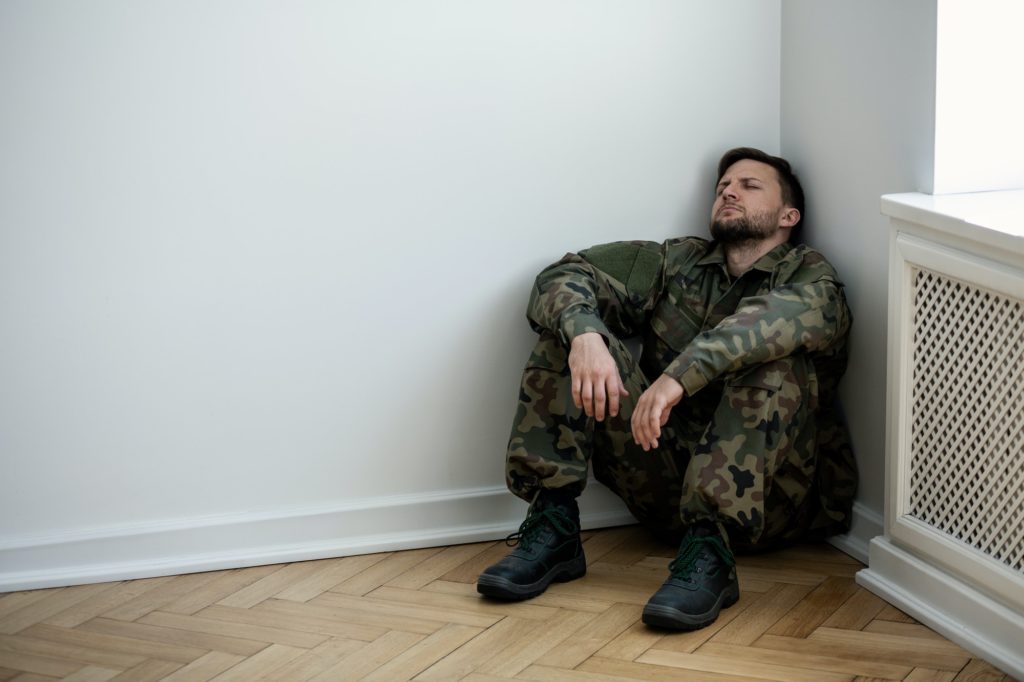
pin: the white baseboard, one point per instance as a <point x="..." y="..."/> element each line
<point x="298" y="534"/>
<point x="947" y="605"/>
<point x="866" y="525"/>
<point x="276" y="536"/>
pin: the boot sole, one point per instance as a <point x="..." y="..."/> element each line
<point x="503" y="588"/>
<point x="668" y="618"/>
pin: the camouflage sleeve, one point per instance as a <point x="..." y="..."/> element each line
<point x="608" y="289"/>
<point x="794" y="317"/>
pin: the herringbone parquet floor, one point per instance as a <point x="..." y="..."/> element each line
<point x="416" y="615"/>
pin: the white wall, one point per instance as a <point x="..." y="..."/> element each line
<point x="259" y="257"/>
<point x="858" y="92"/>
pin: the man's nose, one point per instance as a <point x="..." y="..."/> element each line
<point x="729" y="192"/>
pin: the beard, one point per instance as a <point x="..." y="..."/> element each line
<point x="745" y="228"/>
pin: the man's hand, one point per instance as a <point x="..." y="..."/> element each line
<point x="596" y="383"/>
<point x="652" y="410"/>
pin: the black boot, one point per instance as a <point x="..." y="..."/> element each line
<point x="549" y="549"/>
<point x="702" y="582"/>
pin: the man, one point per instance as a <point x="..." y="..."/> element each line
<point x="723" y="435"/>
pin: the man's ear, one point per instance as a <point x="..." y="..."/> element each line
<point x="790" y="217"/>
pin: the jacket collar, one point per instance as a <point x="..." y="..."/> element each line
<point x="766" y="263"/>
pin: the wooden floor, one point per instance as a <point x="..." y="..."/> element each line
<point x="416" y="615"/>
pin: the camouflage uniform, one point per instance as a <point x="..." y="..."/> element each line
<point x="755" y="444"/>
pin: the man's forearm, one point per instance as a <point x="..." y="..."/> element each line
<point x="572" y="298"/>
<point x="800" y="317"/>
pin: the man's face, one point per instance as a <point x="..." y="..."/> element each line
<point x="748" y="204"/>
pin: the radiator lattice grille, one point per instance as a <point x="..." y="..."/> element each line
<point x="967" y="454"/>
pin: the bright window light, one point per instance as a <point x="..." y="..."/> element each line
<point x="979" y="97"/>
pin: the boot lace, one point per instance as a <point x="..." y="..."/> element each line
<point x="536" y="521"/>
<point x="682" y="567"/>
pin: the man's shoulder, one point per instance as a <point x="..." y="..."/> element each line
<point x="680" y="250"/>
<point x="636" y="264"/>
<point x="804" y="264"/>
<point x="616" y="258"/>
<point x="698" y="243"/>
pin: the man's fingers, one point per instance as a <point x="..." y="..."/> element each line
<point x="646" y="422"/>
<point x="640" y="430"/>
<point x="635" y="422"/>
<point x="615" y="391"/>
<point x="651" y="413"/>
<point x="587" y="396"/>
<point x="577" y="385"/>
<point x="652" y="422"/>
<point x="599" y="401"/>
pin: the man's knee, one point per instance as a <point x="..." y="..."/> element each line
<point x="761" y="423"/>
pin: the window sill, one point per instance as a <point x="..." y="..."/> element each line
<point x="992" y="218"/>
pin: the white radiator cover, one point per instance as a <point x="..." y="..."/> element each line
<point x="966" y="413"/>
<point x="953" y="550"/>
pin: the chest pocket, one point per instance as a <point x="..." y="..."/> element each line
<point x="675" y="325"/>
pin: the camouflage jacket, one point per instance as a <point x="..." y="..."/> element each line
<point x="698" y="325"/>
<point x="696" y="322"/>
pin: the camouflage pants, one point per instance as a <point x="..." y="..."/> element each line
<point x="740" y="452"/>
